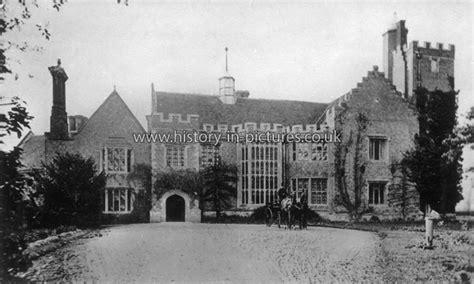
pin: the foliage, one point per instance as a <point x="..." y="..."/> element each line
<point x="219" y="185"/>
<point x="140" y="177"/>
<point x="15" y="200"/>
<point x="15" y="16"/>
<point x="15" y="190"/>
<point x="16" y="118"/>
<point x="401" y="193"/>
<point x="350" y="164"/>
<point x="258" y="214"/>
<point x="187" y="180"/>
<point x="435" y="162"/>
<point x="466" y="133"/>
<point x="12" y="260"/>
<point x="72" y="191"/>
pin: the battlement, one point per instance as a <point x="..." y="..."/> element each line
<point x="177" y="117"/>
<point x="261" y="127"/>
<point x="438" y="49"/>
<point x="173" y="120"/>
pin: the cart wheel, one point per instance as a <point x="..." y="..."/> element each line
<point x="279" y="219"/>
<point x="268" y="216"/>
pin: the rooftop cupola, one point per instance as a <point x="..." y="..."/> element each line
<point x="227" y="84"/>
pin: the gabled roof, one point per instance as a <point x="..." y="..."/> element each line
<point x="33" y="150"/>
<point x="105" y="107"/>
<point x="113" y="118"/>
<point x="382" y="93"/>
<point x="211" y="109"/>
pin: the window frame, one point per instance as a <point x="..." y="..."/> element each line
<point x="385" y="151"/>
<point x="175" y="146"/>
<point x="384" y="193"/>
<point x="215" y="149"/>
<point x="309" y="192"/>
<point x="129" y="159"/>
<point x="320" y="150"/>
<point x="310" y="197"/>
<point x="129" y="200"/>
<point x="434" y="64"/>
<point x="260" y="173"/>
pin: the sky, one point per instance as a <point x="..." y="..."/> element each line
<point x="309" y="51"/>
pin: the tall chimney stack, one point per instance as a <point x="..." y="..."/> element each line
<point x="58" y="120"/>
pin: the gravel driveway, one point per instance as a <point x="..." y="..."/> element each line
<point x="184" y="252"/>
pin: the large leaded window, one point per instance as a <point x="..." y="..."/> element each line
<point x="260" y="173"/>
<point x="315" y="189"/>
<point x="116" y="159"/>
<point x="209" y="155"/>
<point x="175" y="156"/>
<point x="118" y="200"/>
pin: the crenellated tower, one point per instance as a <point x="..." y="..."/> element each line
<point x="411" y="66"/>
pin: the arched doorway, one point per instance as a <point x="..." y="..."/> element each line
<point x="175" y="209"/>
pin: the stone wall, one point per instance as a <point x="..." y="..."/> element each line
<point x="389" y="117"/>
<point x="421" y="69"/>
<point x="191" y="202"/>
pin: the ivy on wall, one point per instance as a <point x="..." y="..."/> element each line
<point x="349" y="163"/>
<point x="188" y="181"/>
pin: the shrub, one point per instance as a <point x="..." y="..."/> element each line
<point x="13" y="244"/>
<point x="312" y="216"/>
<point x="72" y="191"/>
<point x="374" y="219"/>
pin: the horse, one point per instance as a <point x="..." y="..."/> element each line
<point x="286" y="207"/>
<point x="301" y="208"/>
<point x="295" y="209"/>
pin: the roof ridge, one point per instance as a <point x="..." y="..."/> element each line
<point x="261" y="99"/>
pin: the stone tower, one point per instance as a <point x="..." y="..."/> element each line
<point x="412" y="66"/>
<point x="394" y="39"/>
<point x="58" y="120"/>
<point x="430" y="67"/>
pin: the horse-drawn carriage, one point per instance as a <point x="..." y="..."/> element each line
<point x="287" y="209"/>
<point x="273" y="214"/>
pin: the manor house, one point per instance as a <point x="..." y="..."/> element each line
<point x="322" y="170"/>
